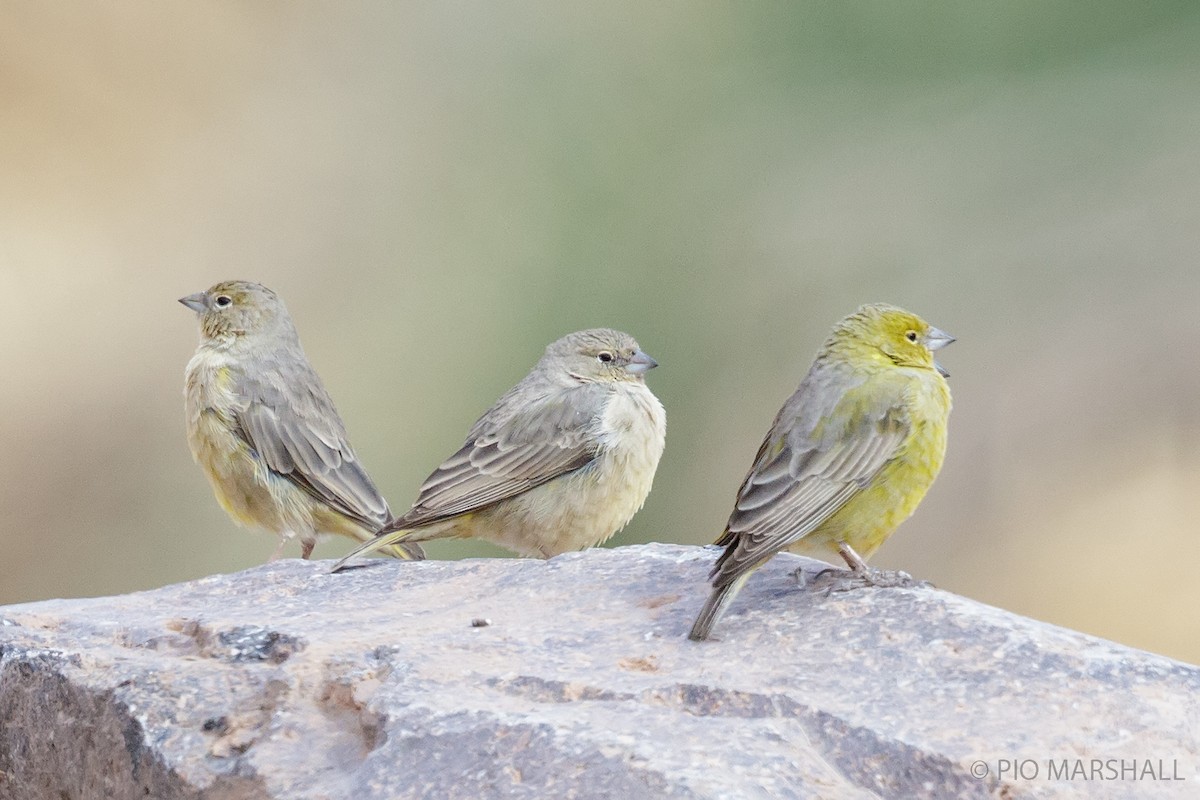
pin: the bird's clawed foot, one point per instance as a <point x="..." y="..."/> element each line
<point x="805" y="579"/>
<point x="849" y="580"/>
<point x="861" y="576"/>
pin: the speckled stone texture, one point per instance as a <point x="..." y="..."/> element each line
<point x="572" y="678"/>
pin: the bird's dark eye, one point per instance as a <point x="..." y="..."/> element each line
<point x="224" y="300"/>
<point x="604" y="356"/>
<point x="911" y="336"/>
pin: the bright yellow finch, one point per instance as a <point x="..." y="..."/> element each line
<point x="561" y="462"/>
<point x="850" y="454"/>
<point x="264" y="429"/>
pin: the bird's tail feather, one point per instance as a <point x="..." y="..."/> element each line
<point x="718" y="601"/>
<point x="405" y="551"/>
<point x="392" y="541"/>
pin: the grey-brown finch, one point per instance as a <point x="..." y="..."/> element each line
<point x="561" y="462"/>
<point x="264" y="429"/>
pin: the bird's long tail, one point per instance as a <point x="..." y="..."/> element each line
<point x="722" y="595"/>
<point x="392" y="542"/>
<point x="405" y="551"/>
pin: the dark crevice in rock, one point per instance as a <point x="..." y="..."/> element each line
<point x="886" y="767"/>
<point x="95" y="749"/>
<point x="551" y="691"/>
<point x="469" y="756"/>
<point x="251" y="643"/>
<point x="706" y="701"/>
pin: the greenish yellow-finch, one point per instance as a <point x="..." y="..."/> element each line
<point x="850" y="454"/>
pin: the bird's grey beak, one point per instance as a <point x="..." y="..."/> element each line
<point x="640" y="363"/>
<point x="196" y="302"/>
<point x="935" y="340"/>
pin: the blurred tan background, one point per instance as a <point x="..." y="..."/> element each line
<point x="439" y="190"/>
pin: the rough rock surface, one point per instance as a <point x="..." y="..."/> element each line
<point x="572" y="678"/>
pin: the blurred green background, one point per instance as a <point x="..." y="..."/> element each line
<point x="438" y="190"/>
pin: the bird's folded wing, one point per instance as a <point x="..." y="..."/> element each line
<point x="513" y="452"/>
<point x="799" y="480"/>
<point x="302" y="439"/>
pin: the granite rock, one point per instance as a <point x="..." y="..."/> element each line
<point x="573" y="678"/>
